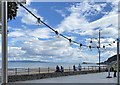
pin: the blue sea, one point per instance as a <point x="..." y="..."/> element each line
<point x="42" y="64"/>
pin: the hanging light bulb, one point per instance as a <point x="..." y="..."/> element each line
<point x="103" y="46"/>
<point x="91" y="40"/>
<point x="90" y="48"/>
<point x="56" y="32"/>
<point x="70" y="41"/>
<point x="80" y="46"/>
<point x="98" y="47"/>
<point x="38" y="22"/>
<point x="113" y="41"/>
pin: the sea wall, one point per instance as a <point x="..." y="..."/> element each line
<point x="14" y="78"/>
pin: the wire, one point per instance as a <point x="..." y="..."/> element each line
<point x="57" y="33"/>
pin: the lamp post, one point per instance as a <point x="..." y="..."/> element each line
<point x="4" y="43"/>
<point x="99" y="50"/>
<point x="98" y="47"/>
<point x="118" y="61"/>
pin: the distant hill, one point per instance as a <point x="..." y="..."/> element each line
<point x="113" y="58"/>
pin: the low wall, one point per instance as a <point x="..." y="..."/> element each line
<point x="14" y="78"/>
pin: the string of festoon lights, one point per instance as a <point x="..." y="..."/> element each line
<point x="39" y="21"/>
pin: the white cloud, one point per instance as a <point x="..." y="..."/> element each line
<point x="58" y="50"/>
<point x="76" y="20"/>
<point x="73" y="22"/>
<point x="41" y="33"/>
<point x="104" y="22"/>
<point x="28" y="2"/>
<point x="35" y="49"/>
<point x="16" y="34"/>
<point x="61" y="13"/>
<point x="27" y="18"/>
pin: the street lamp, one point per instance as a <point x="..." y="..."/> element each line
<point x="99" y="50"/>
<point x="98" y="47"/>
<point x="118" y="40"/>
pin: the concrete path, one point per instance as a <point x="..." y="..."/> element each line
<point x="85" y="78"/>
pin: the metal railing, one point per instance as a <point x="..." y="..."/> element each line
<point x="28" y="71"/>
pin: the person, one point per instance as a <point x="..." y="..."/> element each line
<point x="114" y="69"/>
<point x="62" y="69"/>
<point x="79" y="67"/>
<point x="57" y="69"/>
<point x="74" y="68"/>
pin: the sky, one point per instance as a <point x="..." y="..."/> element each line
<point x="79" y="21"/>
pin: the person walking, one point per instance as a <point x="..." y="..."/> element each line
<point x="74" y="68"/>
<point x="79" y="67"/>
<point x="115" y="69"/>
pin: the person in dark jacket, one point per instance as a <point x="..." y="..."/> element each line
<point x="57" y="69"/>
<point x="74" y="68"/>
<point x="62" y="69"/>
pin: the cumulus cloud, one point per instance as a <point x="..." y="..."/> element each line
<point x="37" y="50"/>
<point x="105" y="22"/>
<point x="79" y="22"/>
<point x="59" y="49"/>
<point x="41" y="33"/>
<point x="27" y="18"/>
<point x="16" y="34"/>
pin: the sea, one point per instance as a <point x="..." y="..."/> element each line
<point x="23" y="64"/>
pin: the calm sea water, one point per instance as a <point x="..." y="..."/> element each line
<point x="43" y="65"/>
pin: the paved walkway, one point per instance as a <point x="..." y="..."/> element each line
<point x="85" y="78"/>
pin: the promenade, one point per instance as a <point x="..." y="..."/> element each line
<point x="33" y="74"/>
<point x="85" y="78"/>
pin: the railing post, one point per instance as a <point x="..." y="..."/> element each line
<point x="48" y="69"/>
<point x="69" y="68"/>
<point x="15" y="71"/>
<point x="84" y="68"/>
<point x="39" y="70"/>
<point x="101" y="67"/>
<point x="95" y="68"/>
<point x="28" y="71"/>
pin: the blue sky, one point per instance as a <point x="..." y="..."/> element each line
<point x="78" y="21"/>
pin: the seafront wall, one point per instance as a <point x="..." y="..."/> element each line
<point x="14" y="78"/>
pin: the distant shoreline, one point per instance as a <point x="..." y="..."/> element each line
<point x="30" y="61"/>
